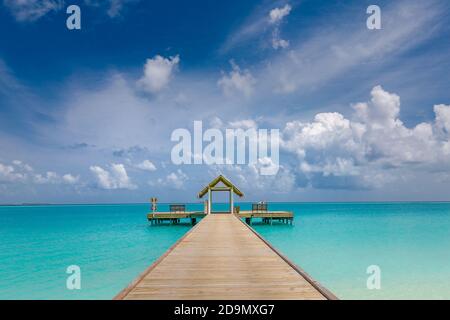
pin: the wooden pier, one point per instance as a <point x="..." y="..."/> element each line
<point x="174" y="217"/>
<point x="223" y="258"/>
<point x="266" y="217"/>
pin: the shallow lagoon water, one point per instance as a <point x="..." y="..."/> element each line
<point x="333" y="242"/>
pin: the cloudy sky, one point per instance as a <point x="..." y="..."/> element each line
<point x="86" y="115"/>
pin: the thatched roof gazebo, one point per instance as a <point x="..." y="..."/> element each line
<point x="226" y="185"/>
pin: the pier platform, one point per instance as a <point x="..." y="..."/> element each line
<point x="267" y="216"/>
<point x="249" y="216"/>
<point x="174" y="217"/>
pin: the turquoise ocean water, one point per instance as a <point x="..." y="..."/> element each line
<point x="333" y="242"/>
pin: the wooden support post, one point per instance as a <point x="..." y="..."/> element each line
<point x="209" y="200"/>
<point x="231" y="200"/>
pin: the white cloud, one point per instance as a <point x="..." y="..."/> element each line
<point x="266" y="22"/>
<point x="22" y="172"/>
<point x="277" y="42"/>
<point x="9" y="174"/>
<point x="369" y="144"/>
<point x="22" y="165"/>
<point x="443" y="117"/>
<point x="115" y="178"/>
<point x="146" y="165"/>
<point x="243" y="124"/>
<point x="31" y="10"/>
<point x="174" y="180"/>
<point x="103" y="177"/>
<point x="70" y="179"/>
<point x="277" y="15"/>
<point x="49" y="177"/>
<point x="237" y="80"/>
<point x="158" y="72"/>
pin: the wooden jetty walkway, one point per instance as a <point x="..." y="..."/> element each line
<point x="223" y="258"/>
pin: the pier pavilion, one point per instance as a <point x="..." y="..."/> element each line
<point x="220" y="184"/>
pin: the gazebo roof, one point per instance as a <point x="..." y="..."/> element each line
<point x="225" y="181"/>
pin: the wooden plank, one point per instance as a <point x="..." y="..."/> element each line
<point x="222" y="258"/>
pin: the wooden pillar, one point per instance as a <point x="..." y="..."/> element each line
<point x="231" y="201"/>
<point x="209" y="200"/>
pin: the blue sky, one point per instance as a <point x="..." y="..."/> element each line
<point x="86" y="115"/>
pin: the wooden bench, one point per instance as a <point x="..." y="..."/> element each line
<point x="260" y="210"/>
<point x="176" y="212"/>
<point x="177" y="208"/>
<point x="259" y="207"/>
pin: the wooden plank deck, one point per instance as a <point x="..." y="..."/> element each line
<point x="223" y="258"/>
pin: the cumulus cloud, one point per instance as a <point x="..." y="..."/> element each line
<point x="368" y="145"/>
<point x="174" y="180"/>
<point x="157" y="73"/>
<point x="9" y="174"/>
<point x="277" y="42"/>
<point x="243" y="124"/>
<point x="275" y="18"/>
<point x="278" y="14"/>
<point x="48" y="177"/>
<point x="32" y="10"/>
<point x="114" y="178"/>
<point x="21" y="172"/>
<point x="146" y="165"/>
<point x="22" y="165"/>
<point x="237" y="80"/>
<point x="442" y="118"/>
<point x="70" y="179"/>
